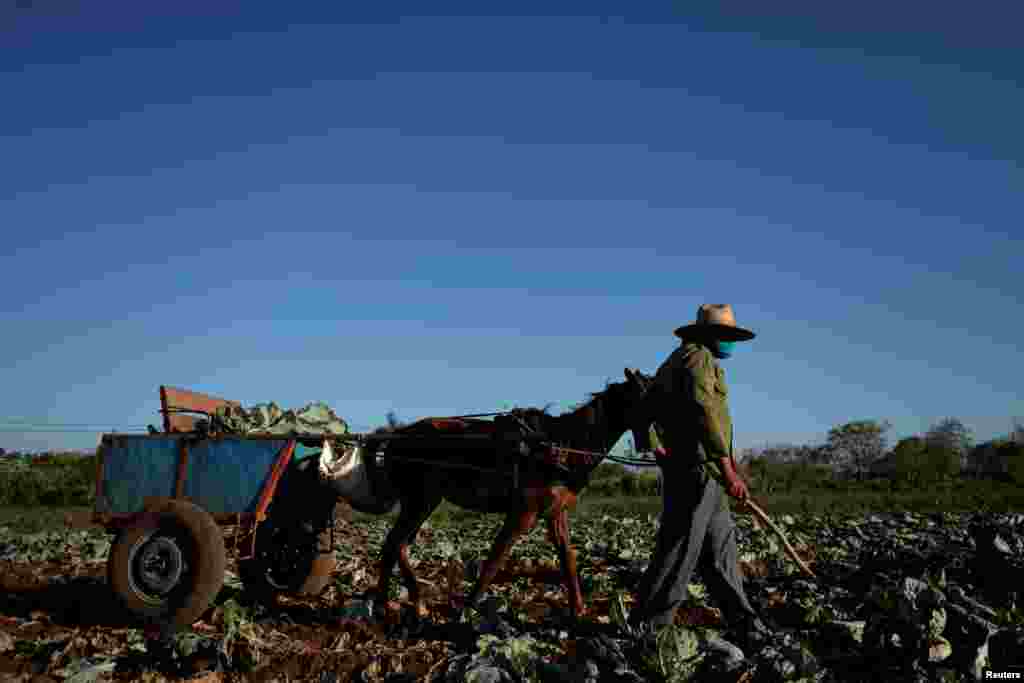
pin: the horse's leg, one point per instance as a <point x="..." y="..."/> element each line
<point x="413" y="512"/>
<point x="517" y="523"/>
<point x="390" y="550"/>
<point x="558" y="532"/>
<point x="408" y="576"/>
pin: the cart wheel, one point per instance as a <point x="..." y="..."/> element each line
<point x="172" y="570"/>
<point x="283" y="567"/>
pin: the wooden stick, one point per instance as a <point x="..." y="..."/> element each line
<point x="763" y="516"/>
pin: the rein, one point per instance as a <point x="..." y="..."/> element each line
<point x="575" y="456"/>
<point x="558" y="455"/>
<point x="635" y="462"/>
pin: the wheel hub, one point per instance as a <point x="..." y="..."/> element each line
<point x="157" y="565"/>
<point x="287" y="560"/>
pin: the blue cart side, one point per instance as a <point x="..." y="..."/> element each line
<point x="222" y="476"/>
<point x="233" y="478"/>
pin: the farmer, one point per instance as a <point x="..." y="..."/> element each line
<point x="688" y="404"/>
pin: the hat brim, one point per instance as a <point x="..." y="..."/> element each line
<point x="723" y="332"/>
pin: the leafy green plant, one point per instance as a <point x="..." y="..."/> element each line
<point x="521" y="655"/>
<point x="676" y="656"/>
<point x="1009" y="616"/>
<point x="618" y="613"/>
<point x="62" y="482"/>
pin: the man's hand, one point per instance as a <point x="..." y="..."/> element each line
<point x="736" y="488"/>
<point x="734" y="485"/>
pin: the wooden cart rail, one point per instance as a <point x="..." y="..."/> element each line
<point x="174" y="403"/>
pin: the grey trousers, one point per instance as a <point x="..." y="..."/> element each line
<point x="696" y="531"/>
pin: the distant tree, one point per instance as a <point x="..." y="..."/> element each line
<point x="1012" y="454"/>
<point x="746" y="455"/>
<point x="781" y="453"/>
<point x="953" y="436"/>
<point x="909" y="458"/>
<point x="986" y="459"/>
<point x="813" y="455"/>
<point x="772" y="453"/>
<point x="1017" y="433"/>
<point x="856" y="444"/>
<point x="941" y="462"/>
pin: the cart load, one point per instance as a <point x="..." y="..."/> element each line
<point x="269" y="419"/>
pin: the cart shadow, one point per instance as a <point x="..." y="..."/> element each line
<point x="69" y="601"/>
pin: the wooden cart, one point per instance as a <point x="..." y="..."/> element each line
<point x="166" y="495"/>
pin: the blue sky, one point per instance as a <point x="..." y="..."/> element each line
<point x="454" y="214"/>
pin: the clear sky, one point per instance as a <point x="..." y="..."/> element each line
<point x="452" y="214"/>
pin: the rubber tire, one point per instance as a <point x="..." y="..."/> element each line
<point x="204" y="554"/>
<point x="254" y="582"/>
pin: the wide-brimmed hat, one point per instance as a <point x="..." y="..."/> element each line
<point x="717" y="320"/>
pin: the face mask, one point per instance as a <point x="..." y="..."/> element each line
<point x="722" y="349"/>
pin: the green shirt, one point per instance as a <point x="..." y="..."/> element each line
<point x="689" y="401"/>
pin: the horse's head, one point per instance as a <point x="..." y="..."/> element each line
<point x="638" y="418"/>
<point x="619" y="408"/>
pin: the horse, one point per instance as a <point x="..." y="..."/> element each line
<point x="421" y="484"/>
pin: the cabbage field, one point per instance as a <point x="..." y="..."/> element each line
<point x="897" y="596"/>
